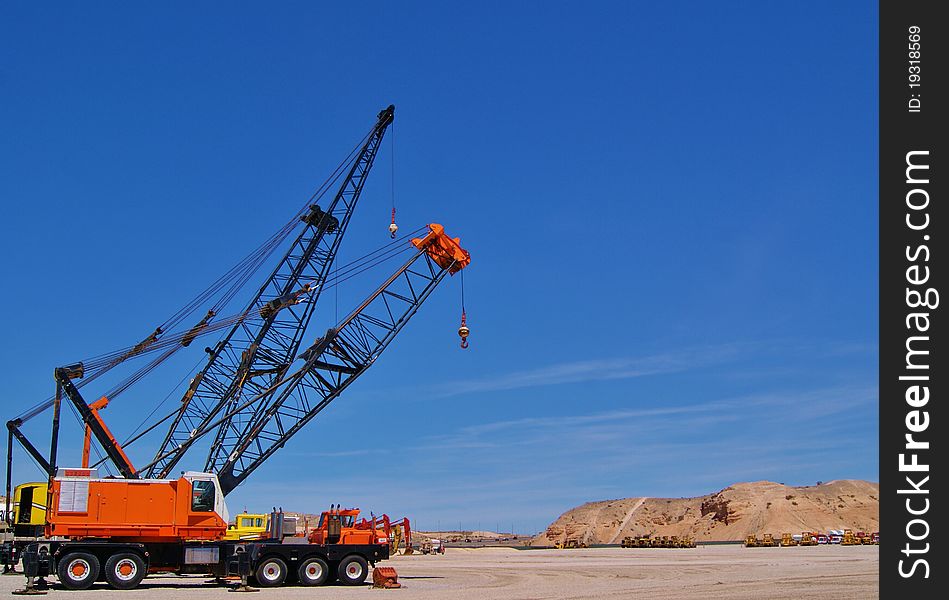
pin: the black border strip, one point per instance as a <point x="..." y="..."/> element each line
<point x="912" y="270"/>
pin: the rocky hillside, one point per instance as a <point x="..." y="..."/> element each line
<point x="731" y="514"/>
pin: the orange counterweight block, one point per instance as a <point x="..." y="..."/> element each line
<point x="445" y="251"/>
<point x="141" y="510"/>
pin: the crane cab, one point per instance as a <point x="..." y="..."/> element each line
<point x="188" y="508"/>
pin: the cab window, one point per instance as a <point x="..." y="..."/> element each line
<point x="202" y="496"/>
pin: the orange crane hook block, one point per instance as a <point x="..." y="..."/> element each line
<point x="445" y="251"/>
<point x="392" y="226"/>
<point x="463" y="330"/>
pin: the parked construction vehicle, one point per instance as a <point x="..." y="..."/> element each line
<point x="647" y="541"/>
<point x="788" y="540"/>
<point x="570" y="544"/>
<point x="751" y="541"/>
<point x="259" y="387"/>
<point x="25" y="521"/>
<point x="400" y="537"/>
<point x="867" y="539"/>
<point x="808" y="539"/>
<point x="432" y="546"/>
<point x="247" y="526"/>
<point x="849" y="539"/>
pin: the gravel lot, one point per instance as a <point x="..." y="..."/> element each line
<point x="506" y="574"/>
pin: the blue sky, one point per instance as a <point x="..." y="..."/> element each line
<point x="671" y="210"/>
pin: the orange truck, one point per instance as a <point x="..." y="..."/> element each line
<point x="122" y="529"/>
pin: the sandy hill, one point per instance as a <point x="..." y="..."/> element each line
<point x="731" y="514"/>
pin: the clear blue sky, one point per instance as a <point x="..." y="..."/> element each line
<point x="671" y="209"/>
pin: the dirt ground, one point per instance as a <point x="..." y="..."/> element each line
<point x="705" y="572"/>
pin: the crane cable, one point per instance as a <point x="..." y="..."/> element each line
<point x="463" y="329"/>
<point x="392" y="226"/>
<point x="238" y="276"/>
<point x="98" y="366"/>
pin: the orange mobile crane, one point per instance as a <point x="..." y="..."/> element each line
<point x="259" y="386"/>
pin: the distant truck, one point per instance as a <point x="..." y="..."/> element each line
<point x="432" y="546"/>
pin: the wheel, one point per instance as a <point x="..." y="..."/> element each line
<point x="313" y="571"/>
<point x="78" y="570"/>
<point x="124" y="571"/>
<point x="271" y="572"/>
<point x="352" y="570"/>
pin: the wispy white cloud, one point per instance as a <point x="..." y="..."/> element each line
<point x="806" y="406"/>
<point x="595" y="370"/>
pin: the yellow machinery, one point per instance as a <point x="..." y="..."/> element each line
<point x="767" y="541"/>
<point x="399" y="540"/>
<point x="247" y="526"/>
<point x="788" y="540"/>
<point x="26" y="521"/>
<point x="751" y="541"/>
<point x="432" y="546"/>
<point x="808" y="539"/>
<point x="850" y="539"/>
<point x="869" y="539"/>
<point x="646" y="541"/>
<point x="569" y="544"/>
<point x="29" y="509"/>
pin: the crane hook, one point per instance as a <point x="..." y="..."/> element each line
<point x="463" y="330"/>
<point x="393" y="227"/>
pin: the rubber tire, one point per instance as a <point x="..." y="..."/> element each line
<point x="115" y="579"/>
<point x="348" y="564"/>
<point x="71" y="583"/>
<point x="309" y="580"/>
<point x="273" y="580"/>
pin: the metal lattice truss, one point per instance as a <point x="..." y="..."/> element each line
<point x="250" y="435"/>
<point x="259" y="350"/>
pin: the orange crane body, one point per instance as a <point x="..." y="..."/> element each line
<point x="83" y="506"/>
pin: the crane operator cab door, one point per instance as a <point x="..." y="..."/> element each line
<point x="333" y="529"/>
<point x="206" y="495"/>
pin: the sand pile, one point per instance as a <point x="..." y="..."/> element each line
<point x="731" y="514"/>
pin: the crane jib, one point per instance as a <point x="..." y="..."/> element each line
<point x="256" y="354"/>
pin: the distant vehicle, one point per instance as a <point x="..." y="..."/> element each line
<point x="822" y="539"/>
<point x="433" y="546"/>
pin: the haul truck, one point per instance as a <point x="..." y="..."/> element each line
<point x="121" y="530"/>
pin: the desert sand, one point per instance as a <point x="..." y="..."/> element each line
<point x="707" y="572"/>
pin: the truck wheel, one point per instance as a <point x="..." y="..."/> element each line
<point x="313" y="571"/>
<point x="271" y="572"/>
<point x="124" y="571"/>
<point x="78" y="570"/>
<point x="352" y="570"/>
